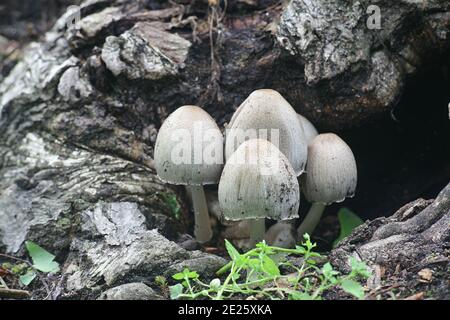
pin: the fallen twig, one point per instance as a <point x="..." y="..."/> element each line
<point x="14" y="293"/>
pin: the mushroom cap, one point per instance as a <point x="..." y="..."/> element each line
<point x="267" y="109"/>
<point x="310" y="132"/>
<point x="191" y="128"/>
<point x="258" y="182"/>
<point x="331" y="172"/>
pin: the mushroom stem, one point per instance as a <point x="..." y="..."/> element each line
<point x="257" y="231"/>
<point x="202" y="230"/>
<point x="311" y="220"/>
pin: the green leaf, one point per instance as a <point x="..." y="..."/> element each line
<point x="192" y="275"/>
<point x="300" y="250"/>
<point x="347" y="221"/>
<point x="235" y="276"/>
<point x="264" y="248"/>
<point x="42" y="259"/>
<point x="254" y="264"/>
<point x="178" y="276"/>
<point x="28" y="277"/>
<point x="232" y="252"/>
<point x="359" y="268"/>
<point x="269" y="266"/>
<point x="353" y="287"/>
<point x="329" y="273"/>
<point x="308" y="244"/>
<point x="175" y="291"/>
<point x="186" y="273"/>
<point x="300" y="296"/>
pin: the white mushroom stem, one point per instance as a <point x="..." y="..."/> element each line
<point x="202" y="230"/>
<point x="257" y="231"/>
<point x="311" y="220"/>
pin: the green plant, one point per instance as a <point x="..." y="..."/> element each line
<point x="42" y="261"/>
<point x="347" y="221"/>
<point x="265" y="272"/>
<point x="161" y="281"/>
<point x="172" y="204"/>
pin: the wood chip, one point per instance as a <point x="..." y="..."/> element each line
<point x="417" y="296"/>
<point x="211" y="249"/>
<point x="426" y="275"/>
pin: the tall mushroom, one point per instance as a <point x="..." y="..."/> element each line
<point x="189" y="151"/>
<point x="310" y="132"/>
<point x="265" y="112"/>
<point x="258" y="182"/>
<point x="330" y="177"/>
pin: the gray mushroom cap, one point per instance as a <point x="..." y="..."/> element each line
<point x="267" y="109"/>
<point x="331" y="173"/>
<point x="258" y="182"/>
<point x="188" y="125"/>
<point x="310" y="132"/>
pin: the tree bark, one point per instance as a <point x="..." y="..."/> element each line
<point x="414" y="238"/>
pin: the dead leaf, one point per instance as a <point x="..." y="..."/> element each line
<point x="417" y="296"/>
<point x="3" y="272"/>
<point x="426" y="275"/>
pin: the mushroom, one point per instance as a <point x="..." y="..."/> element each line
<point x="189" y="151"/>
<point x="330" y="177"/>
<point x="281" y="234"/>
<point x="258" y="182"/>
<point x="310" y="132"/>
<point x="237" y="230"/>
<point x="266" y="112"/>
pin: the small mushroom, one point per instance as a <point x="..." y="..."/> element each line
<point x="237" y="230"/>
<point x="310" y="132"/>
<point x="330" y="177"/>
<point x="281" y="234"/>
<point x="181" y="158"/>
<point x="258" y="182"/>
<point x="265" y="114"/>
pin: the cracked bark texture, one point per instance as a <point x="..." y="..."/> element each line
<point x="415" y="237"/>
<point x="79" y="115"/>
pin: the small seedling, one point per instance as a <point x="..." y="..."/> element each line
<point x="43" y="261"/>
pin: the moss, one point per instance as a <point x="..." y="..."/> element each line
<point x="172" y="203"/>
<point x="64" y="223"/>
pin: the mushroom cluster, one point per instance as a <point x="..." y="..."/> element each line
<point x="271" y="153"/>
